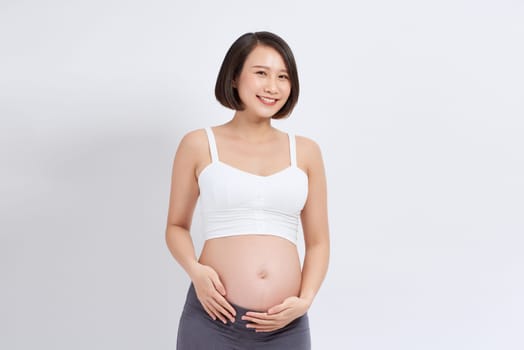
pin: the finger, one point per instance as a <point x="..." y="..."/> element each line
<point x="218" y="285"/>
<point x="230" y="310"/>
<point x="209" y="312"/>
<point x="286" y="304"/>
<point x="208" y="305"/>
<point x="270" y="326"/>
<point x="258" y="315"/>
<point x="223" y="311"/>
<point x="267" y="328"/>
<point x="219" y="315"/>
<point x="225" y="304"/>
<point x="278" y="308"/>
<point x="258" y="321"/>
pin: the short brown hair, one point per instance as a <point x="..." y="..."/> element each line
<point x="233" y="63"/>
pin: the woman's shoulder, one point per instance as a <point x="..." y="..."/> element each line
<point x="194" y="137"/>
<point x="194" y="142"/>
<point x="306" y="144"/>
<point x="308" y="151"/>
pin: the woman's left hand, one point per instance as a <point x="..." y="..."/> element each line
<point x="277" y="316"/>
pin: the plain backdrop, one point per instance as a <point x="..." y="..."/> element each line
<point x="417" y="107"/>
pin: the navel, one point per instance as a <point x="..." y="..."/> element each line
<point x="262" y="273"/>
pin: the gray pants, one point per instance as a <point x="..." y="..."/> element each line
<point x="198" y="331"/>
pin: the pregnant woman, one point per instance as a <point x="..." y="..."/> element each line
<point x="254" y="182"/>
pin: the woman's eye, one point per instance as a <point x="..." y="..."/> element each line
<point x="284" y="77"/>
<point x="260" y="72"/>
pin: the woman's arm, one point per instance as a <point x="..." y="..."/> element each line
<point x="314" y="219"/>
<point x="182" y="201"/>
<point x="315" y="225"/>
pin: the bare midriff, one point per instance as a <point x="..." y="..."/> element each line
<point x="258" y="271"/>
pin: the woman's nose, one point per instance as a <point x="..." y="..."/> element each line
<point x="271" y="86"/>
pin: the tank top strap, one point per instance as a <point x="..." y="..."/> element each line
<point x="212" y="144"/>
<point x="292" y="149"/>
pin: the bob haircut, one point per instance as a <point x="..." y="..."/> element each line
<point x="233" y="63"/>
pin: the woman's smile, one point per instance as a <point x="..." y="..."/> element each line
<point x="267" y="100"/>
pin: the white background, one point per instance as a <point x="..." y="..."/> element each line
<point x="417" y="106"/>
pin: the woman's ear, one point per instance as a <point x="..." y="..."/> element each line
<point x="234" y="83"/>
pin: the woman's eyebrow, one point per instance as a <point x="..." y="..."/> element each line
<point x="266" y="67"/>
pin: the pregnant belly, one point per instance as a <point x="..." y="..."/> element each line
<point x="258" y="271"/>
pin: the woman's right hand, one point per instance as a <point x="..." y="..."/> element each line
<point x="210" y="292"/>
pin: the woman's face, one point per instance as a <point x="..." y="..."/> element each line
<point x="263" y="84"/>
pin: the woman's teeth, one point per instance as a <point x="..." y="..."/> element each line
<point x="267" y="100"/>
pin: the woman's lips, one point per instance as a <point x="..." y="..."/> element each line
<point x="267" y="100"/>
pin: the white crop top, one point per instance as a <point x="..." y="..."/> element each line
<point x="236" y="202"/>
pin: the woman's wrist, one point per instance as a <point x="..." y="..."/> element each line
<point x="191" y="269"/>
<point x="307" y="298"/>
